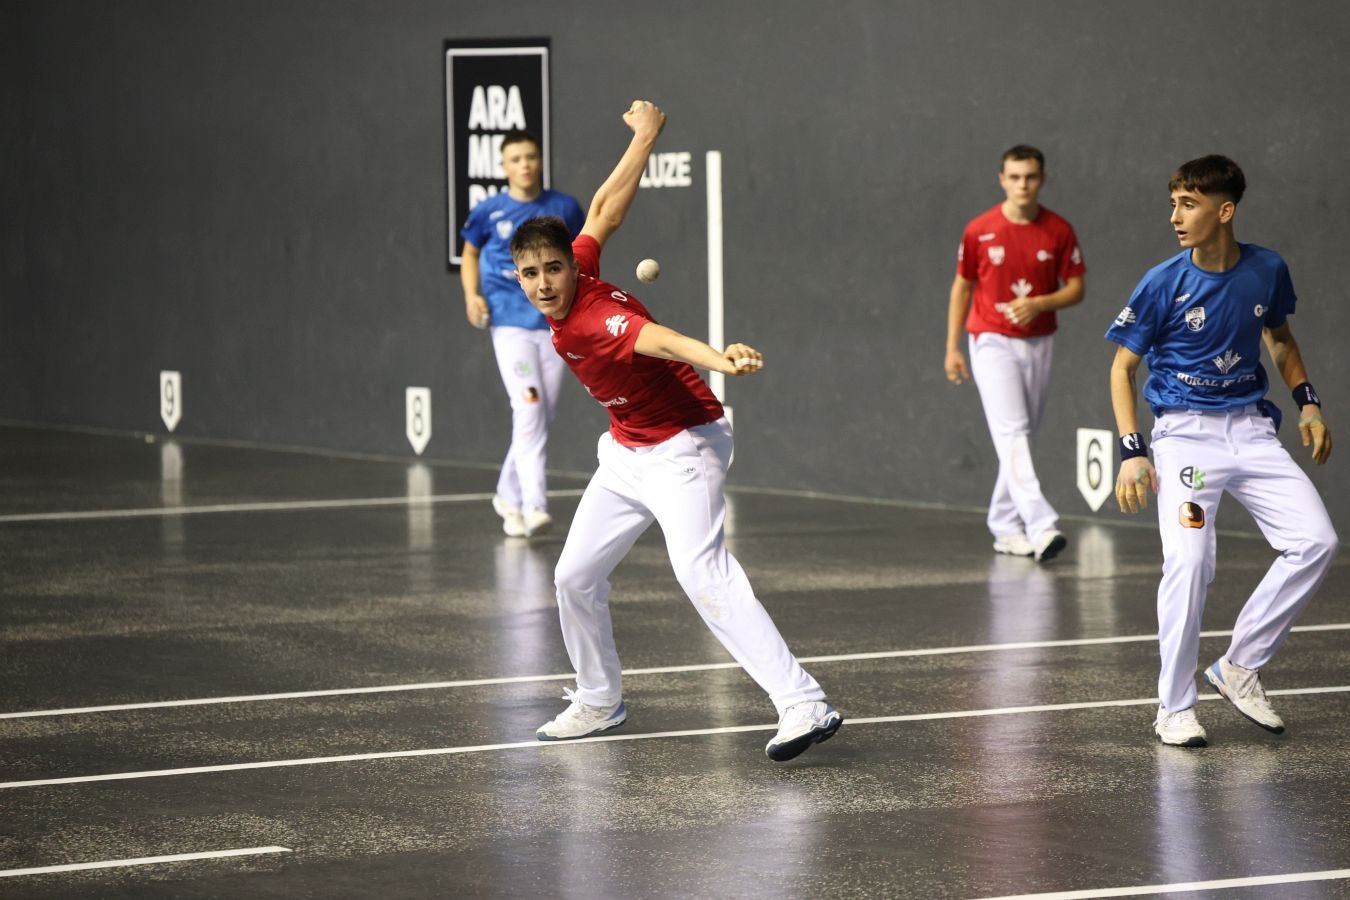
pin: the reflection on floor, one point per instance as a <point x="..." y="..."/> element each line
<point x="389" y="654"/>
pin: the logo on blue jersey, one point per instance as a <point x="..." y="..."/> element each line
<point x="1182" y="299"/>
<point x="1195" y="318"/>
<point x="1227" y="361"/>
<point x="504" y="228"/>
<point x="1126" y="317"/>
<point x="1260" y="310"/>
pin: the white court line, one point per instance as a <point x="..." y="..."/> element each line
<point x="143" y="861"/>
<point x="280" y="506"/>
<point x="1145" y="890"/>
<point x="612" y="738"/>
<point x="656" y="670"/>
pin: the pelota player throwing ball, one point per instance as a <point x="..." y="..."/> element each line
<point x="1200" y="318"/>
<point x="664" y="459"/>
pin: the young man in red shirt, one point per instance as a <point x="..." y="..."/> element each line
<point x="664" y="459"/>
<point x="1019" y="263"/>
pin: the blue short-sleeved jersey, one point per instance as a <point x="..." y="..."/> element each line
<point x="490" y="226"/>
<point x="1200" y="331"/>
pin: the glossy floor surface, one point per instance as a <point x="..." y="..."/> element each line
<point x="335" y="667"/>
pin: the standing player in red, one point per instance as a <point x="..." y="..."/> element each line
<point x="1019" y="263"/>
<point x="664" y="459"/>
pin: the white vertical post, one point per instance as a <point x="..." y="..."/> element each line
<point x="717" y="381"/>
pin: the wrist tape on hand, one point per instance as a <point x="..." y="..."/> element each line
<point x="1132" y="445"/>
<point x="1304" y="394"/>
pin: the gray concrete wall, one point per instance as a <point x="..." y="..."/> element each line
<point x="253" y="194"/>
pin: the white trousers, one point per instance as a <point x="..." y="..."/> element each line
<point x="1199" y="456"/>
<point x="532" y="373"/>
<point x="679" y="484"/>
<point x="1013" y="376"/>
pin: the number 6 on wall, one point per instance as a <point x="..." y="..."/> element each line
<point x="1096" y="454"/>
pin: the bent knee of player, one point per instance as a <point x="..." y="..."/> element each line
<point x="1319" y="546"/>
<point x="701" y="572"/>
<point x="1189" y="560"/>
<point x="576" y="579"/>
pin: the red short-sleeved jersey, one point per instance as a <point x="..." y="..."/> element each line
<point x="649" y="399"/>
<point x="1007" y="260"/>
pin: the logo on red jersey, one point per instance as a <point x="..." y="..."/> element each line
<point x="996" y="255"/>
<point x="617" y="324"/>
<point x="1021" y="287"/>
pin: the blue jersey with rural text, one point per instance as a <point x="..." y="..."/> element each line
<point x="490" y="227"/>
<point x="1200" y="332"/>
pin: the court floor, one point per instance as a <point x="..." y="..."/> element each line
<point x="237" y="672"/>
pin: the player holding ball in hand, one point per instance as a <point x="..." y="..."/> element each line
<point x="1199" y="319"/>
<point x="1019" y="264"/>
<point x="664" y="459"/>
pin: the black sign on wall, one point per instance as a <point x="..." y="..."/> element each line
<point x="491" y="87"/>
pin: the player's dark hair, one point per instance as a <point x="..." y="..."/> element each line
<point x="542" y="233"/>
<point x="1021" y="152"/>
<point x="520" y="136"/>
<point x="1210" y="175"/>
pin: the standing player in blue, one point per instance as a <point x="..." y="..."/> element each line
<point x="1199" y="319"/>
<point x="531" y="372"/>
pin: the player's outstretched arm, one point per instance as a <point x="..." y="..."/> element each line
<point x="667" y="343"/>
<point x="958" y="307"/>
<point x="1137" y="474"/>
<point x="612" y="199"/>
<point x="1289" y="360"/>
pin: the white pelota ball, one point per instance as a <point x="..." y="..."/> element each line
<point x="648" y="271"/>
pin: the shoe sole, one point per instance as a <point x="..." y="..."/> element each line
<point x="1218" y="686"/>
<point x="1187" y="744"/>
<point x="797" y="746"/>
<point x="1007" y="552"/>
<point x="540" y="736"/>
<point x="1054" y="549"/>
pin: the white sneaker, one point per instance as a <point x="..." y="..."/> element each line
<point x="1180" y="728"/>
<point x="1242" y="688"/>
<point x="801" y="725"/>
<point x="579" y="720"/>
<point x="513" y="523"/>
<point x="537" y="521"/>
<point x="1015" y="544"/>
<point x="1049" y="545"/>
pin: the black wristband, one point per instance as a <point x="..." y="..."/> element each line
<point x="1132" y="445"/>
<point x="1304" y="394"/>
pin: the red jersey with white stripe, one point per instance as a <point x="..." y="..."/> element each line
<point x="649" y="399"/>
<point x="1007" y="260"/>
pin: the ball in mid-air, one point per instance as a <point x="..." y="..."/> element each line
<point x="648" y="271"/>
